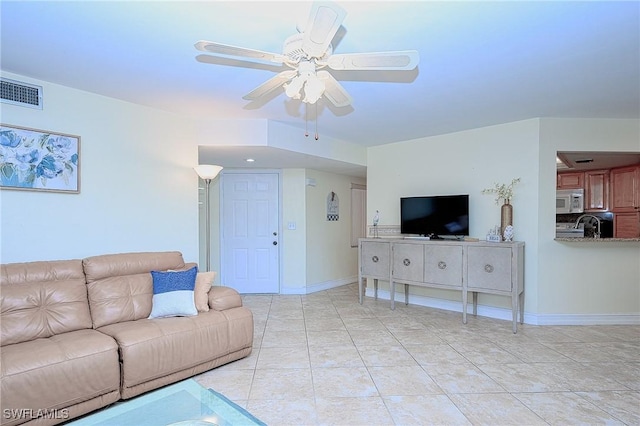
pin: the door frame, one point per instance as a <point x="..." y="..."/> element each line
<point x="221" y="212"/>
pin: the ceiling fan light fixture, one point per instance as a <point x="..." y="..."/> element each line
<point x="293" y="88"/>
<point x="313" y="89"/>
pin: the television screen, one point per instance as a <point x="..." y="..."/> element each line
<point x="435" y="215"/>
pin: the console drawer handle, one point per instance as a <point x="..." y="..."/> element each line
<point x="375" y="259"/>
<point x="442" y="265"/>
<point x="406" y="262"/>
<point x="488" y="268"/>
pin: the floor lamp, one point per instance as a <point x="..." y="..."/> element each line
<point x="207" y="173"/>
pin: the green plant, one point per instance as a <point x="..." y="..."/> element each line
<point x="502" y="191"/>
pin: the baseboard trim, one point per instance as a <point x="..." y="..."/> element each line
<point x="591" y="319"/>
<point x="314" y="288"/>
<point x="505" y="314"/>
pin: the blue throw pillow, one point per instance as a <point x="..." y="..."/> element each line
<point x="173" y="293"/>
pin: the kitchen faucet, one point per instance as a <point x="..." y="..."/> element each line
<point x="597" y="233"/>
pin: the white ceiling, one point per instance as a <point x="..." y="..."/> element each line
<point x="481" y="62"/>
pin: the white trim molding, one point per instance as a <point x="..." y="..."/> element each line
<point x="314" y="288"/>
<point x="505" y="314"/>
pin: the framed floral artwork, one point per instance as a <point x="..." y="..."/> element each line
<point x="39" y="160"/>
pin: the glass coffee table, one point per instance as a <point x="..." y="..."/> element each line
<point x="185" y="403"/>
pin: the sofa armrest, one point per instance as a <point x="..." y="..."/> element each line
<point x="221" y="298"/>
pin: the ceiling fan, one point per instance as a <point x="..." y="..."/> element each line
<point x="308" y="53"/>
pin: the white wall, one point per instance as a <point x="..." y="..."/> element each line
<point x="138" y="187"/>
<point x="564" y="283"/>
<point x="331" y="261"/>
<point x="292" y="138"/>
<point x="294" y="241"/>
<point x="588" y="282"/>
<point x="316" y="255"/>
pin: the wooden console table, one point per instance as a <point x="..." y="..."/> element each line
<point x="476" y="267"/>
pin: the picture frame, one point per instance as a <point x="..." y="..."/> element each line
<point x="333" y="207"/>
<point x="39" y="160"/>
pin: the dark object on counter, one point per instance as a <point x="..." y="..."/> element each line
<point x="606" y="229"/>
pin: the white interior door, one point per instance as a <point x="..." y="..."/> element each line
<point x="250" y="232"/>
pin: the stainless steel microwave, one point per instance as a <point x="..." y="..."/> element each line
<point x="569" y="201"/>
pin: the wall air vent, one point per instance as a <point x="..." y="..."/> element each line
<point x="18" y="93"/>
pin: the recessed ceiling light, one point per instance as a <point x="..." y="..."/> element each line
<point x="249" y="160"/>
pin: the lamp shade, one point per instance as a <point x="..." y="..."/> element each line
<point x="207" y="171"/>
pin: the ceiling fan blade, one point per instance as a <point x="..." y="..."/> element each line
<point x="241" y="52"/>
<point x="270" y="85"/>
<point x="334" y="92"/>
<point x="324" y="21"/>
<point x="395" y="60"/>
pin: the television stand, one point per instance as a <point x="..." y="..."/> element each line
<point x="465" y="266"/>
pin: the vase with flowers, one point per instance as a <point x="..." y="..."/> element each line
<point x="504" y="193"/>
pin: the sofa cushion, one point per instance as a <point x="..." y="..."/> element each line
<point x="221" y="298"/>
<point x="173" y="293"/>
<point x="204" y="281"/>
<point x="120" y="286"/>
<point x="110" y="265"/>
<point x="58" y="371"/>
<point x="41" y="299"/>
<point x="154" y="348"/>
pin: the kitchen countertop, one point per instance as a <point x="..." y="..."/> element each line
<point x="597" y="240"/>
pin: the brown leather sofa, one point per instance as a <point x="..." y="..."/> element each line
<point x="75" y="335"/>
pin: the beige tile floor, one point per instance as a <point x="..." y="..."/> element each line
<point x="324" y="359"/>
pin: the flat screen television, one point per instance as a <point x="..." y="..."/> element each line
<point x="435" y="216"/>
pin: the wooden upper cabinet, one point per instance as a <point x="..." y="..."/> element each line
<point x="625" y="189"/>
<point x="596" y="190"/>
<point x="570" y="180"/>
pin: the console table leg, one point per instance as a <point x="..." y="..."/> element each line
<point x="514" y="312"/>
<point x="475" y="303"/>
<point x="375" y="288"/>
<point x="406" y="294"/>
<point x="393" y="294"/>
<point x="360" y="290"/>
<point x="465" y="296"/>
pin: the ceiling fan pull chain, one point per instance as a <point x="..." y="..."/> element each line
<point x="306" y="120"/>
<point x="317" y="137"/>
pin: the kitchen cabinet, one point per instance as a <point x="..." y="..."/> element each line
<point x="626" y="225"/>
<point x="570" y="180"/>
<point x="625" y="189"/>
<point x="476" y="267"/>
<point x="625" y="201"/>
<point x="596" y="191"/>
